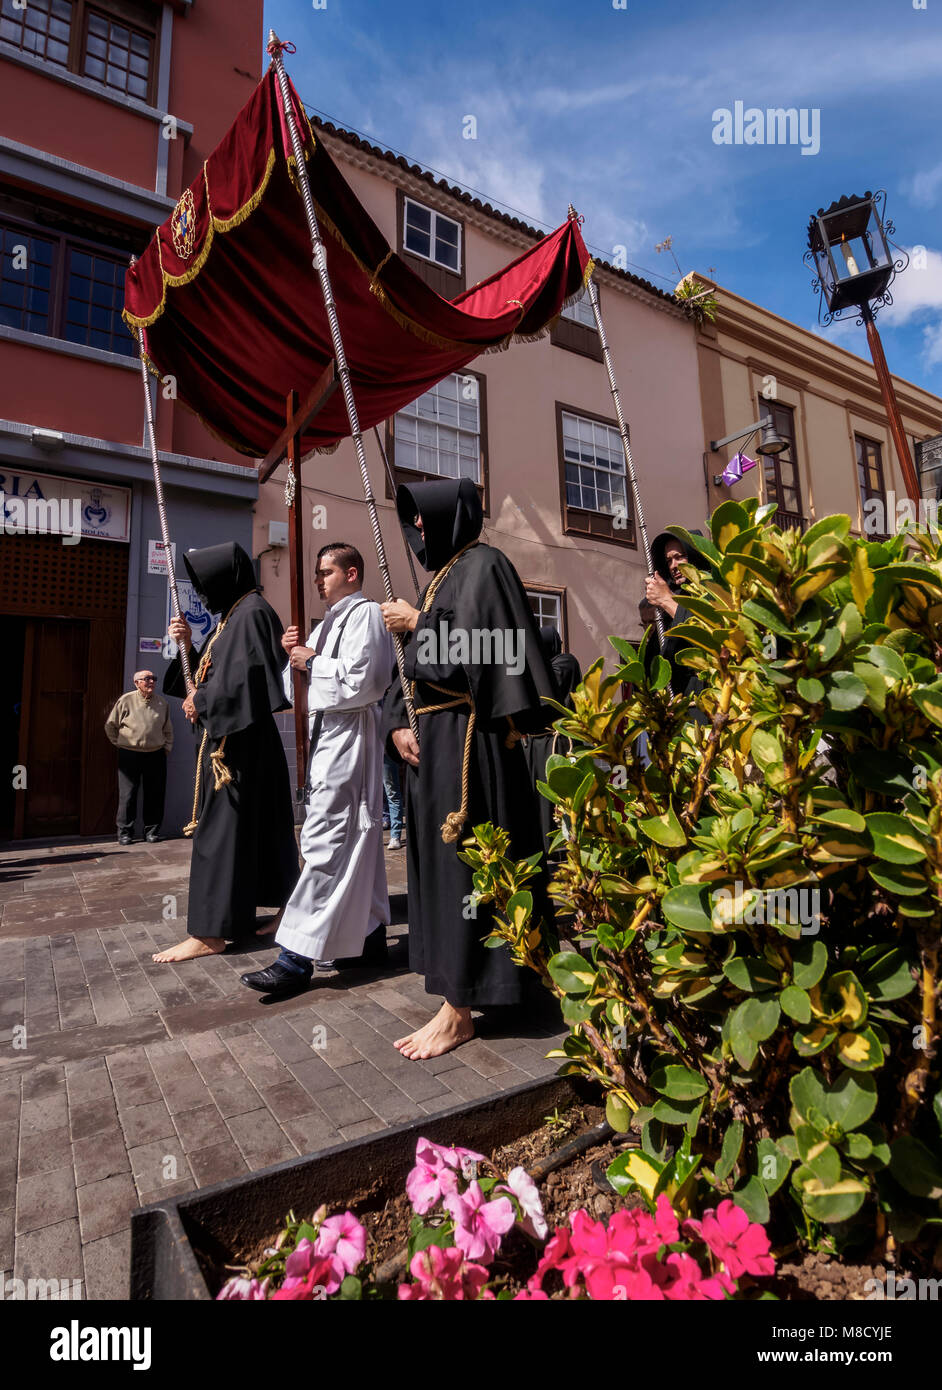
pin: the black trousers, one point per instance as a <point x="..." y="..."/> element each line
<point x="135" y="768"/>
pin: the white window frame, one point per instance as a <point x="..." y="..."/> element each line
<point x="435" y="216"/>
<point x="465" y="383"/>
<point x="580" y="311"/>
<point x="615" y="449"/>
<point x="542" y="620"/>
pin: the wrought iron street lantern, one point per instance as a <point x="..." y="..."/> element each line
<point x="856" y="262"/>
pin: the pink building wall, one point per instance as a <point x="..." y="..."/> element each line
<point x="216" y="59"/>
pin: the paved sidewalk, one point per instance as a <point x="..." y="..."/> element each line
<point x="122" y="1081"/>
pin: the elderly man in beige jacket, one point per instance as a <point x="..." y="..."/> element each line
<point x="139" y="727"/>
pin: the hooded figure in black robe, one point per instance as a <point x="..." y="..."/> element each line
<point x="684" y="681"/>
<point x="480" y="597"/>
<point x="567" y="674"/>
<point x="244" y="849"/>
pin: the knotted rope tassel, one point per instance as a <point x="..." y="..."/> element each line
<point x="221" y="774"/>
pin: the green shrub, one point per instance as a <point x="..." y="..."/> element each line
<point x="752" y="923"/>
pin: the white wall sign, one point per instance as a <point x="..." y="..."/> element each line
<point x="200" y="619"/>
<point x="33" y="502"/>
<point x="157" y="557"/>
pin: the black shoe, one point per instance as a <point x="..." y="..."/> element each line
<point x="152" y="837"/>
<point x="375" y="952"/>
<point x="277" y="979"/>
<point x="125" y="838"/>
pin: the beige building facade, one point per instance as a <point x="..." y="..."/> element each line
<point x="533" y="426"/>
<point x="825" y="401"/>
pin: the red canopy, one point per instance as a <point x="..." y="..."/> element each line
<point x="233" y="309"/>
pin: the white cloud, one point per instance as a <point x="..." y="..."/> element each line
<point x="932" y="344"/>
<point x="845" y="333"/>
<point x="917" y="290"/>
<point x="924" y="188"/>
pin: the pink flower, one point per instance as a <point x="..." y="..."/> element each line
<point x="436" y="1172"/>
<point x="466" y="1160"/>
<point x="479" y="1224"/>
<point x="249" y="1289"/>
<point x="522" y="1186"/>
<point x="689" y="1281"/>
<point x="426" y="1186"/>
<point x="609" y="1281"/>
<point x="530" y="1296"/>
<point x="589" y="1238"/>
<point x="619" y="1261"/>
<point x="442" y="1274"/>
<point x="304" y="1262"/>
<point x="743" y="1247"/>
<point x="665" y="1221"/>
<point x="343" y="1240"/>
<point x="556" y="1255"/>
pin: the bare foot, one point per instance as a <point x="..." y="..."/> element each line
<point x="190" y="948"/>
<point x="448" y="1029"/>
<point x="271" y="925"/>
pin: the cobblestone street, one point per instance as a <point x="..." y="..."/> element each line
<point x="122" y="1081"/>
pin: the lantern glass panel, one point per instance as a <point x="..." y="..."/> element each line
<point x="876" y="243"/>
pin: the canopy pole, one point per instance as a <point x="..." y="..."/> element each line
<point x="319" y="260"/>
<point x="294" y="499"/>
<point x="392" y="483"/>
<point x="623" y="431"/>
<point x="161" y="508"/>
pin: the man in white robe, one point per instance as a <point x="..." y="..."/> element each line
<point x="338" y="912"/>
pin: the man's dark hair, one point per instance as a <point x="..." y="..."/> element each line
<point x="345" y="556"/>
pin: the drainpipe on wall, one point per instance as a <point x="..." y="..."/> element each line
<point x="163" y="97"/>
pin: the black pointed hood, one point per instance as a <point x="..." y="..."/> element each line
<point x="220" y="574"/>
<point x="658" y="547"/>
<point x="552" y="642"/>
<point x="451" y="513"/>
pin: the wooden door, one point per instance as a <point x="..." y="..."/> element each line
<point x="71" y="600"/>
<point x="52" y="738"/>
<point x="12" y="639"/>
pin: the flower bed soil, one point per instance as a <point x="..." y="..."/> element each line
<point x="578" y="1183"/>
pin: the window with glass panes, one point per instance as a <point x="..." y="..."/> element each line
<point x="117" y="55"/>
<point x="63" y="287"/>
<point x="42" y="27"/>
<point x="595" y="466"/>
<point x="580" y="311"/>
<point x="94" y="300"/>
<point x="440" y="433"/>
<point x="870" y="469"/>
<point x="26" y="266"/>
<point x="431" y="235"/>
<point x="781" y="470"/>
<point x="575" y="329"/>
<point x="113" y="42"/>
<point x="547" y="609"/>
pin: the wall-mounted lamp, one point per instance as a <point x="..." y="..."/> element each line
<point x="771" y="442"/>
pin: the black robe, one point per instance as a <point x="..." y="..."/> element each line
<point x="684" y="681"/>
<point x="566" y="674"/>
<point x="482" y="591"/>
<point x="244" y="850"/>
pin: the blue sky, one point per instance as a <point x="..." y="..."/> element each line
<point x="613" y="110"/>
